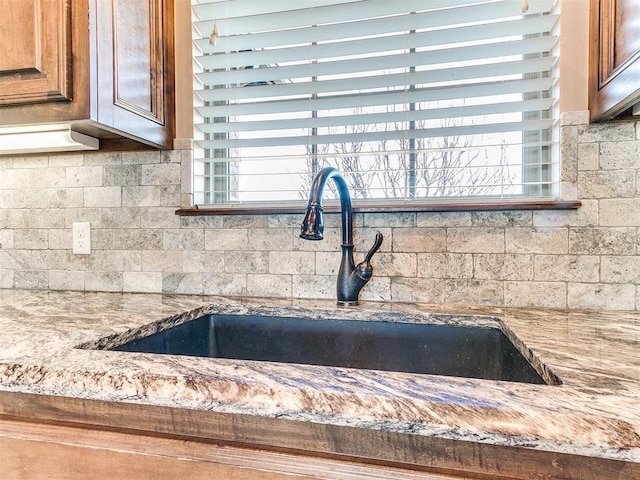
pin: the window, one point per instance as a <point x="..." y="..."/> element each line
<point x="413" y="101"/>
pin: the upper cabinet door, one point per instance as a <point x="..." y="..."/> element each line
<point x="135" y="73"/>
<point x="614" y="57"/>
<point x="35" y="51"/>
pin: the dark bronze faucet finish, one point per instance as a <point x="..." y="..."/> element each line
<point x="351" y="277"/>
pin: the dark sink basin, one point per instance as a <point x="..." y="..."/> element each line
<point x="461" y="351"/>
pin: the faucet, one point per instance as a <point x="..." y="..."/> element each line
<point x="351" y="277"/>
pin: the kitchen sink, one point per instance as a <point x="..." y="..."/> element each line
<point x="437" y="349"/>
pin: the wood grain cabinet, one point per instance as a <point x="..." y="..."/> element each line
<point x="614" y="57"/>
<point x="106" y="66"/>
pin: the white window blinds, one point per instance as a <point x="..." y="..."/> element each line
<point x="412" y="100"/>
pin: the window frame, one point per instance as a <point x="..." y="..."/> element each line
<point x="428" y="205"/>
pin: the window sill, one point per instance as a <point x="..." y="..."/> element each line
<point x="333" y="206"/>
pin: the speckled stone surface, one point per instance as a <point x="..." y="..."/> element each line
<point x="595" y="411"/>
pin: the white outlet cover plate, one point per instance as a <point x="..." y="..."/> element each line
<point x="82" y="238"/>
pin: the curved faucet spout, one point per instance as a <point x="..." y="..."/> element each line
<point x="313" y="226"/>
<point x="351" y="277"/>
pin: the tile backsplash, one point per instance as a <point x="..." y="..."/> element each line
<point x="585" y="258"/>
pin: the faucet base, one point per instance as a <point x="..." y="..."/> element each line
<point x="347" y="303"/>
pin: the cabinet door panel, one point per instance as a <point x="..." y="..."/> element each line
<point x="35" y="53"/>
<point x="133" y="70"/>
<point x="138" y="57"/>
<point x="614" y="76"/>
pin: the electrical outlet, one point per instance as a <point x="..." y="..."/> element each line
<point x="81" y="238"/>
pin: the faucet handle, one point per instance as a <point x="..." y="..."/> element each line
<point x="376" y="245"/>
<point x="364" y="270"/>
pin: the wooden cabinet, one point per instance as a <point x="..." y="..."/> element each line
<point x="38" y="451"/>
<point x="35" y="58"/>
<point x="614" y="57"/>
<point x="106" y="66"/>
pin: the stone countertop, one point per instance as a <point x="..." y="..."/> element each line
<point x="595" y="411"/>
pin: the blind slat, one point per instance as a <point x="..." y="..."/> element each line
<point x="255" y="52"/>
<point x="455" y="74"/>
<point x="440" y="13"/>
<point x="387" y="61"/>
<point x="381" y="98"/>
<point x="379" y="118"/>
<point x="379" y="136"/>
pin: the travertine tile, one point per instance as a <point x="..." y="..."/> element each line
<point x="502" y="219"/>
<point x="602" y="296"/>
<point x="141" y="157"/>
<point x="476" y="240"/>
<point x="178" y="282"/>
<point x="567" y="268"/>
<point x="64" y="197"/>
<point x="443" y="219"/>
<point x="445" y="265"/>
<point x="510" y="266"/>
<point x="586" y="215"/>
<point x="602" y="241"/>
<point x="408" y="289"/>
<point x="143" y="196"/>
<point x="569" y="153"/>
<point x="6" y="278"/>
<point x="270" y="239"/>
<point x="102" y="158"/>
<point x="389" y="220"/>
<point x="144" y="282"/>
<point x="574" y="118"/>
<point x="6" y="239"/>
<point x="161" y="174"/>
<point x="226" y="239"/>
<point x="31" y="279"/>
<point x="181" y="239"/>
<point x="116" y="260"/>
<point x="137" y="239"/>
<point x="66" y="280"/>
<point x="15" y="259"/>
<point x="202" y="261"/>
<point x="620" y="269"/>
<point x="31" y="239"/>
<point x="619" y="212"/>
<point x="541" y="294"/>
<point x="313" y="286"/>
<point x="606" y="132"/>
<point x="6" y="199"/>
<point x="225" y="284"/>
<point x="269" y="285"/>
<point x="162" y="260"/>
<point x="396" y="264"/>
<point x="246" y="262"/>
<point x="607" y="184"/>
<point x="122" y="217"/>
<point x="537" y="240"/>
<point x="377" y="290"/>
<point x="246" y="221"/>
<point x="103" y="197"/>
<point x="588" y="156"/>
<point x="170" y="196"/>
<point x="408" y="240"/>
<point x="159" y="217"/>
<point x="292" y="262"/>
<point x="85" y="176"/>
<point x="619" y="155"/>
<point x="121" y="175"/>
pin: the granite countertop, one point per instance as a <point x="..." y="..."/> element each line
<point x="596" y="356"/>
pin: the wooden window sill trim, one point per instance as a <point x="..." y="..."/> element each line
<point x="423" y="207"/>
